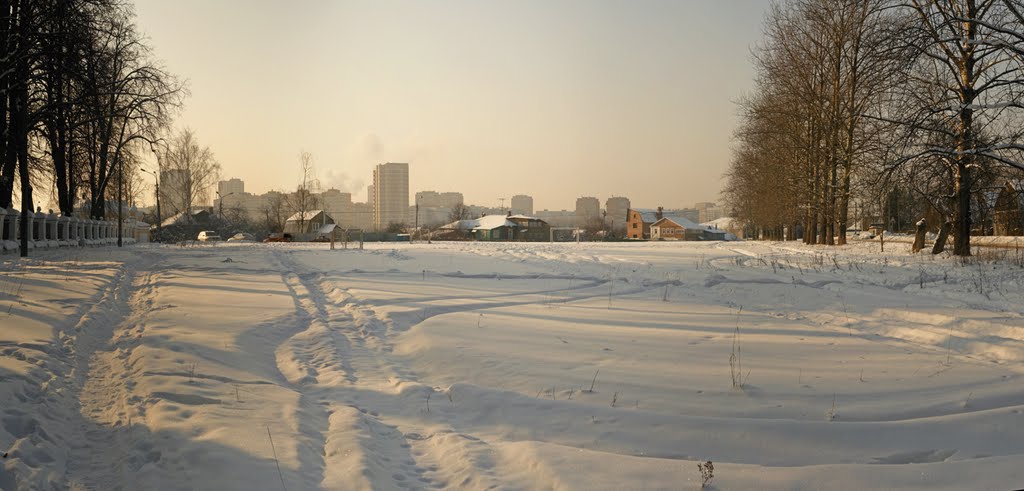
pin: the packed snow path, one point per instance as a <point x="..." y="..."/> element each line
<point x="524" y="366"/>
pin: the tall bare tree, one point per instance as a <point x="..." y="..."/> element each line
<point x="961" y="112"/>
<point x="274" y="211"/>
<point x="188" y="172"/>
<point x="305" y="201"/>
<point x="823" y="64"/>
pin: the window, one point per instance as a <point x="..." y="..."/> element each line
<point x="634" y="224"/>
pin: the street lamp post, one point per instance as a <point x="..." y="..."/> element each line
<point x="156" y="178"/>
<point x="120" y="200"/>
<point x="220" y="199"/>
<point x="156" y="175"/>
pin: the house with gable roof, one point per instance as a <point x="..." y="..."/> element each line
<point x="497" y="227"/>
<point x="658" y="225"/>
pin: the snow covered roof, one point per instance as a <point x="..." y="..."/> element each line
<point x="647" y="215"/>
<point x="489" y="222"/>
<point x="309" y="214"/>
<point x="683" y="222"/>
<point x="180" y="217"/>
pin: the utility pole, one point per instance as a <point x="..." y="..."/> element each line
<point x="416" y="230"/>
<point x="502" y="205"/>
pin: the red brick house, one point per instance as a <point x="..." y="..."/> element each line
<point x="639" y="221"/>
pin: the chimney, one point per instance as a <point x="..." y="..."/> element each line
<point x="660" y="213"/>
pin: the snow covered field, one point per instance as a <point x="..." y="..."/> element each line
<point x="470" y="366"/>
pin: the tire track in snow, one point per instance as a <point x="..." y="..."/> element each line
<point x="357" y="420"/>
<point x="318" y="362"/>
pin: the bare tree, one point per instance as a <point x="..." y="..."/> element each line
<point x="127" y="100"/>
<point x="274" y="211"/>
<point x="823" y="64"/>
<point x="961" y="113"/>
<point x="304" y="201"/>
<point x="459" y="212"/>
<point x="188" y="172"/>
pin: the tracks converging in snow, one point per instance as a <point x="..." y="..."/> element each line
<point x="354" y="400"/>
<point x="479" y="366"/>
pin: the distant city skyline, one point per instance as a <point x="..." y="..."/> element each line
<point x="557" y="100"/>
<point x="365" y="195"/>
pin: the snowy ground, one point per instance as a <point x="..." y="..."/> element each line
<point x="469" y="366"/>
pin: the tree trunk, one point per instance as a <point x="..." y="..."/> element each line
<point x="940" y="241"/>
<point x="7" y="164"/>
<point x="922" y="229"/>
<point x="962" y="220"/>
<point x="966" y="144"/>
<point x="19" y="121"/>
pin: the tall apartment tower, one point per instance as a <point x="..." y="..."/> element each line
<point x="522" y="205"/>
<point x="390" y="194"/>
<point x="617" y="208"/>
<point x="231" y="186"/>
<point x="587" y="208"/>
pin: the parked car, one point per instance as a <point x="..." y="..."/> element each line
<point x="278" y="237"/>
<point x="208" y="236"/>
<point x="242" y="237"/>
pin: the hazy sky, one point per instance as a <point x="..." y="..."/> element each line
<point x="555" y="99"/>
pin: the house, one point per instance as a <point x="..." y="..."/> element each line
<point x="671" y="227"/>
<point x="198" y="215"/>
<point x="1008" y="215"/>
<point x="639" y="221"/>
<point x="307" y="224"/>
<point x="530" y="229"/>
<point x="675" y="228"/>
<point x="496" y="227"/>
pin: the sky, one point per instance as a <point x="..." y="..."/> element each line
<point x="554" y="99"/>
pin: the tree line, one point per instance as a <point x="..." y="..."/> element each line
<point x="895" y="109"/>
<point x="82" y="103"/>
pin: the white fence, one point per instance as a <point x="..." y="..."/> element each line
<point x="52" y="231"/>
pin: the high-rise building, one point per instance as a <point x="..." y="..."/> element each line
<point x="451" y="199"/>
<point x="338" y="206"/>
<point x="587" y="209"/>
<point x="173" y="186"/>
<point x="434" y="199"/>
<point x="691" y="214"/>
<point x="428" y="199"/>
<point x="522" y="204"/>
<point x="390" y="194"/>
<point x="230" y="186"/>
<point x="617" y="208"/>
<point x="712" y="213"/>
